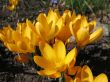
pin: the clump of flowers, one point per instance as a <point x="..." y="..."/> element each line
<point x="51" y="33"/>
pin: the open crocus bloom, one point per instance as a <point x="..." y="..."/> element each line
<point x="85" y="75"/>
<point x="54" y="59"/>
<point x="21" y="40"/>
<point x="65" y="33"/>
<point x="48" y="26"/>
<point x="12" y="4"/>
<point x="83" y="31"/>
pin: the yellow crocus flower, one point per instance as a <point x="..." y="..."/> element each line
<point x="54" y="60"/>
<point x="65" y="33"/>
<point x="21" y="40"/>
<point x="12" y="4"/>
<point x="85" y="75"/>
<point x="48" y="26"/>
<point x="83" y="31"/>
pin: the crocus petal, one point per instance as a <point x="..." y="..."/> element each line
<point x="11" y="47"/>
<point x="66" y="15"/>
<point x="60" y="50"/>
<point x="96" y="35"/>
<point x="101" y="78"/>
<point x="82" y="35"/>
<point x="68" y="78"/>
<point x="21" y="27"/>
<point x="27" y="32"/>
<point x="7" y="32"/>
<point x="75" y="25"/>
<point x="70" y="56"/>
<point x="76" y="80"/>
<point x="55" y="29"/>
<point x="46" y="72"/>
<point x="74" y="71"/>
<point x="33" y="34"/>
<point x="73" y="16"/>
<point x="55" y="75"/>
<point x="47" y="51"/>
<point x="64" y="34"/>
<point x="40" y="62"/>
<point x="52" y="33"/>
<point x="84" y="22"/>
<point x="16" y="36"/>
<point x="59" y="23"/>
<point x="86" y="74"/>
<point x="52" y="16"/>
<point x="22" y="45"/>
<point x="34" y="39"/>
<point x="31" y="26"/>
<point x="42" y="35"/>
<point x="2" y="37"/>
<point x="39" y="29"/>
<point x="62" y="67"/>
<point x="72" y="63"/>
<point x="42" y="19"/>
<point x="91" y="25"/>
